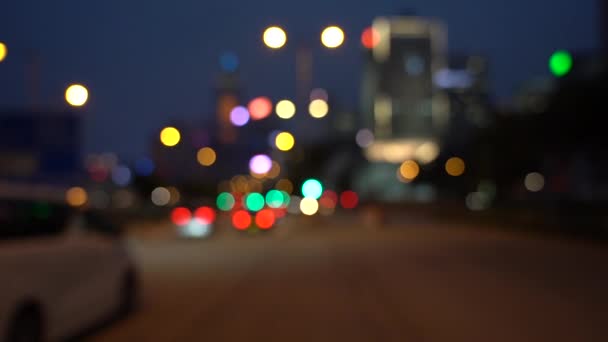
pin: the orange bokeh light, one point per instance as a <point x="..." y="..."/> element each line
<point x="260" y="108"/>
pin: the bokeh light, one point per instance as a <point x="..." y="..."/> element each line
<point x="175" y="195"/>
<point x="275" y="199"/>
<point x="370" y="38"/>
<point x="121" y="175"/>
<point x="275" y="171"/>
<point x="205" y="215"/>
<point x="3" y="51"/>
<point x="294" y="205"/>
<point x="285" y="109"/>
<point x="160" y="196"/>
<point x="312" y="188"/>
<point x="239" y="116"/>
<point x="275" y="37"/>
<point x="225" y="201"/>
<point x="409" y="170"/>
<point x="76" y="197"/>
<point x="534" y="182"/>
<point x="241" y="220"/>
<point x="285" y="185"/>
<point x="265" y="219"/>
<point x="332" y="37"/>
<point x="206" y="156"/>
<point x="319" y="94"/>
<point x="364" y="138"/>
<point x="260" y="108"/>
<point x="170" y="136"/>
<point x="255" y="201"/>
<point x="318" y="108"/>
<point x="123" y="199"/>
<point x="560" y="63"/>
<point x="144" y="167"/>
<point x="349" y="199"/>
<point x="260" y="164"/>
<point x="76" y="95"/>
<point x="285" y="141"/>
<point x="455" y="167"/>
<point x="229" y="62"/>
<point x="181" y="216"/>
<point x="309" y="206"/>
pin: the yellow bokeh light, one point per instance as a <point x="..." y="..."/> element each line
<point x="275" y="37"/>
<point x="285" y="141"/>
<point x="332" y="37"/>
<point x="409" y="170"/>
<point x="318" y="109"/>
<point x="76" y="95"/>
<point x="285" y="109"/>
<point x="309" y="206"/>
<point x="206" y="156"/>
<point x="76" y="197"/>
<point x="3" y="51"/>
<point x="170" y="136"/>
<point x="455" y="167"/>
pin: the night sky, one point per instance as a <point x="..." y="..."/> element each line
<point x="149" y="62"/>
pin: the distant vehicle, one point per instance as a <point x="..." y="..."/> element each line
<point x="62" y="270"/>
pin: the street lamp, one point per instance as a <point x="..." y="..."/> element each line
<point x="332" y="37"/>
<point x="76" y="95"/>
<point x="275" y="37"/>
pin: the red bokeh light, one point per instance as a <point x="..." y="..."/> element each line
<point x="370" y="38"/>
<point x="98" y="174"/>
<point x="181" y="216"/>
<point x="205" y="215"/>
<point x="260" y="108"/>
<point x="329" y="199"/>
<point x="280" y="213"/>
<point x="349" y="199"/>
<point x="241" y="220"/>
<point x="265" y="219"/>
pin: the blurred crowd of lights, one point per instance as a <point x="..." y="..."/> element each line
<point x="239" y="116"/>
<point x="260" y="108"/>
<point x="318" y="108"/>
<point x="285" y="141"/>
<point x="76" y="197"/>
<point x="285" y="109"/>
<point x="455" y="166"/>
<point x="170" y="136"/>
<point x="206" y="156"/>
<point x="274" y="37"/>
<point x="332" y="37"/>
<point x="76" y="95"/>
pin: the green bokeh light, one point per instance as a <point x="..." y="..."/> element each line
<point x="275" y="199"/>
<point x="225" y="201"/>
<point x="255" y="201"/>
<point x="560" y="63"/>
<point x="312" y="188"/>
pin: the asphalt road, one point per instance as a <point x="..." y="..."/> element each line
<point x="343" y="280"/>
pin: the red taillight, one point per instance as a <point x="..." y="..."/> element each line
<point x="205" y="215"/>
<point x="181" y="216"/>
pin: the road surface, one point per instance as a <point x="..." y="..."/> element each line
<point x="342" y="280"/>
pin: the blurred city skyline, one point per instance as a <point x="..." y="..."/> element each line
<point x="146" y="66"/>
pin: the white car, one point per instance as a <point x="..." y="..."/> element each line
<point x="62" y="270"/>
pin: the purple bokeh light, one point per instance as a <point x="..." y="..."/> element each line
<point x="239" y="116"/>
<point x="260" y="164"/>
